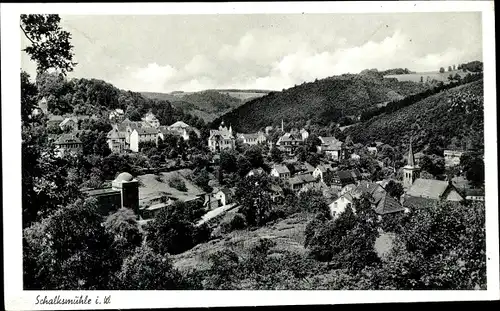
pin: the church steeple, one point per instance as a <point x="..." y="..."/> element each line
<point x="411" y="157"/>
<point x="410" y="171"/>
<point x="282" y="127"/>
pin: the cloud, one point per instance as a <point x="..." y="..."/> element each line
<point x="277" y="62"/>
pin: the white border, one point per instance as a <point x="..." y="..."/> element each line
<point x="17" y="299"/>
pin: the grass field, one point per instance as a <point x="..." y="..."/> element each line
<point x="415" y="77"/>
<point x="153" y="187"/>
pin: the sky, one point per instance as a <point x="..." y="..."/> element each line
<point x="167" y="53"/>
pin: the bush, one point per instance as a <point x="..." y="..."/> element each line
<point x="178" y="184"/>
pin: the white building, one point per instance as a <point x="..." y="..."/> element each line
<point x="151" y="120"/>
<point x="280" y="171"/>
<point x="321" y="170"/>
<point x="221" y="139"/>
<point x="143" y="134"/>
<point x="116" y="140"/>
<point x="331" y="147"/>
<point x="253" y="138"/>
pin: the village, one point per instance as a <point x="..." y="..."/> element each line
<point x="339" y="186"/>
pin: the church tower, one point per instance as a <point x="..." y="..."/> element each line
<point x="411" y="171"/>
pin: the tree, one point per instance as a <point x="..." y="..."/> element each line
<point x="254" y="156"/>
<point x="454" y="68"/>
<point x="473" y="166"/>
<point x="69" y="250"/>
<point x="276" y="155"/>
<point x="394" y="189"/>
<point x="254" y="196"/>
<point x="228" y="161"/>
<point x="29" y="96"/>
<point x="50" y="46"/>
<point x="177" y="183"/>
<point x="449" y="68"/>
<point x="123" y="226"/>
<point x="147" y="270"/>
<point x="441" y="70"/>
<point x="421" y="79"/>
<point x="171" y="231"/>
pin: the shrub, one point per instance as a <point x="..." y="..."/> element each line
<point x="178" y="184"/>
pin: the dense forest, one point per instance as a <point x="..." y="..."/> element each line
<point x="334" y="99"/>
<point x="452" y="115"/>
<point x="207" y="104"/>
<point x="97" y="97"/>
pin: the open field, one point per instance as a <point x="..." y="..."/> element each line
<point x="153" y="187"/>
<point x="415" y="77"/>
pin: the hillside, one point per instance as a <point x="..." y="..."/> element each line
<point x="425" y="76"/>
<point x="321" y="101"/>
<point x="208" y="104"/>
<point x="454" y="113"/>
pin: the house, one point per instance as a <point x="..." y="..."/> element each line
<point x="221" y="139"/>
<point x="268" y="129"/>
<point x="151" y="120"/>
<point x="331" y="147"/>
<point x="452" y="157"/>
<point x="299" y="181"/>
<point x="182" y="129"/>
<point x="474" y="194"/>
<point x="67" y="144"/>
<point x="116" y="140"/>
<point x="280" y="171"/>
<point x="289" y="142"/>
<point x="224" y="196"/>
<point x="54" y="120"/>
<point x="321" y="170"/>
<point x="253" y="139"/>
<point x="277" y="194"/>
<point x="142" y="134"/>
<point x="381" y="202"/>
<point x="255" y="172"/>
<point x="341" y="179"/>
<point x="69" y="123"/>
<point x="433" y="189"/>
<point x="116" y="115"/>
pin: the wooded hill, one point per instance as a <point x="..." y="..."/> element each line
<point x="453" y="115"/>
<point x="334" y="99"/>
<point x="208" y="104"/>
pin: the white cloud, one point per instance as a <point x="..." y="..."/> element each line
<point x="278" y="62"/>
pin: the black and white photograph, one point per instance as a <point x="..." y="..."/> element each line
<point x="165" y="149"/>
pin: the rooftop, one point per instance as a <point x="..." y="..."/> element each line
<point x="428" y="188"/>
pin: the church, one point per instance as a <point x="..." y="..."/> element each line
<point x="420" y="191"/>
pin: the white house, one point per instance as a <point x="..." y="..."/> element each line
<point x="320" y="170"/>
<point x="221" y="139"/>
<point x="452" y="157"/>
<point x="116" y="140"/>
<point x="70" y="123"/>
<point x="253" y="138"/>
<point x="143" y="134"/>
<point x="67" y="144"/>
<point x="280" y="171"/>
<point x="224" y="196"/>
<point x="372" y="150"/>
<point x="340" y="204"/>
<point x="182" y="129"/>
<point x="331" y="147"/>
<point x="151" y="120"/>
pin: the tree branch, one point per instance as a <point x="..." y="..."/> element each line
<point x="25" y="34"/>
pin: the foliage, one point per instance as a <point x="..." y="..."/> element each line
<point x="50" y="46"/>
<point x="172" y="230"/>
<point x="473" y="165"/>
<point x="124" y="227"/>
<point x="394" y="189"/>
<point x="69" y="250"/>
<point x="147" y="270"/>
<point x="254" y="195"/>
<point x="332" y="99"/>
<point x="457" y="112"/>
<point x="178" y="184"/>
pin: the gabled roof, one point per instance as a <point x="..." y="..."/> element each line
<point x="307" y="178"/>
<point x="226" y="191"/>
<point x="428" y="188"/>
<point x="146" y="130"/>
<point x="388" y="205"/>
<point x="474" y="192"/>
<point x="256" y="171"/>
<point x="67" y="139"/>
<point x="327" y="140"/>
<point x="345" y="176"/>
<point x="180" y="124"/>
<point x="281" y="169"/>
<point x="115" y="133"/>
<point x="67" y="120"/>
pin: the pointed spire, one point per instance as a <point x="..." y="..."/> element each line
<point x="282" y="127"/>
<point x="411" y="157"/>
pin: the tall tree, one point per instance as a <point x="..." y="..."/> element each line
<point x="50" y="45"/>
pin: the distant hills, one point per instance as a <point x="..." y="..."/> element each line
<point x="321" y="102"/>
<point x="208" y="104"/>
<point x="454" y="115"/>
